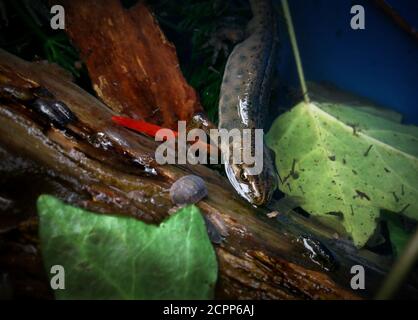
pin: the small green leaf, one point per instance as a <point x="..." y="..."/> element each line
<point x="399" y="237"/>
<point x="347" y="163"/>
<point x="110" y="257"/>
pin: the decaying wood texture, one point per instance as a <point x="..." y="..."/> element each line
<point x="128" y="57"/>
<point x="105" y="168"/>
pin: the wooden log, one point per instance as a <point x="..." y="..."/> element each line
<point x="108" y="169"/>
<point x="134" y="69"/>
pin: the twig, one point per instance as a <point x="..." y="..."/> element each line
<point x="295" y="49"/>
<point x="401" y="22"/>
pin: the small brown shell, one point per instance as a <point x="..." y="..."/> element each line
<point x="187" y="190"/>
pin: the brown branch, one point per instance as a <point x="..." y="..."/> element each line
<point x="396" y="17"/>
<point x="134" y="69"/>
<point x="105" y="168"/>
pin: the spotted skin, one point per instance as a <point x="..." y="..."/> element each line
<point x="244" y="98"/>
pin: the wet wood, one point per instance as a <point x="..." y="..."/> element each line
<point x="134" y="69"/>
<point x="108" y="169"/>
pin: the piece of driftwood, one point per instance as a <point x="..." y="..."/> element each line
<point x="108" y="169"/>
<point x="105" y="168"/>
<point x="134" y="69"/>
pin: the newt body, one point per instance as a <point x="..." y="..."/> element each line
<point x="245" y="95"/>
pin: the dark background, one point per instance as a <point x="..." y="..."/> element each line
<point x="380" y="62"/>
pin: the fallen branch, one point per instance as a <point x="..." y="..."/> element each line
<point x="104" y="168"/>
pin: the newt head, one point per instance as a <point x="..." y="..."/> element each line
<point x="256" y="189"/>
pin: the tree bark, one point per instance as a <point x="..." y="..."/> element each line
<point x="134" y="69"/>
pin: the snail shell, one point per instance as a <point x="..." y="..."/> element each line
<point x="318" y="253"/>
<point x="187" y="190"/>
<point x="56" y="111"/>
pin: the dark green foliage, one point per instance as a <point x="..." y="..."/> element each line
<point x="190" y="25"/>
<point x="28" y="34"/>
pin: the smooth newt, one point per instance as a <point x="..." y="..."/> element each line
<point x="244" y="99"/>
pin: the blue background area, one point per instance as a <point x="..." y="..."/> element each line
<point x="380" y="62"/>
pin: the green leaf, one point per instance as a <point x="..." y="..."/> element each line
<point x="399" y="237"/>
<point x="109" y="257"/>
<point x="347" y="163"/>
<point x="326" y="93"/>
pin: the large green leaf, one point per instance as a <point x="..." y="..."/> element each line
<point x="347" y="163"/>
<point x="107" y="257"/>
